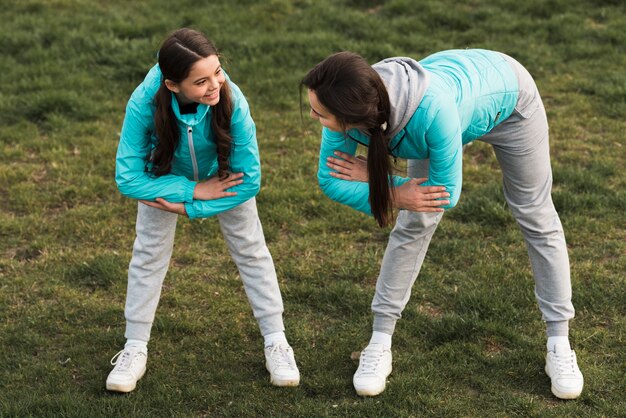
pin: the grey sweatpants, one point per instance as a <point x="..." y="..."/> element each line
<point x="522" y="149"/>
<point x="152" y="250"/>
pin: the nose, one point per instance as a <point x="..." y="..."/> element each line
<point x="313" y="115"/>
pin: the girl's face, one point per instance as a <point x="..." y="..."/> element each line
<point x="203" y="83"/>
<point x="320" y="113"/>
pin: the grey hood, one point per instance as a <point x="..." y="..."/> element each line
<point x="406" y="81"/>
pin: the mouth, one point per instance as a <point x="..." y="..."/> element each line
<point x="212" y="95"/>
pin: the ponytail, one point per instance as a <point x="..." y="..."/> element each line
<point x="379" y="174"/>
<point x="167" y="131"/>
<point x="220" y="123"/>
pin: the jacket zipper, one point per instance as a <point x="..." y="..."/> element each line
<point x="192" y="153"/>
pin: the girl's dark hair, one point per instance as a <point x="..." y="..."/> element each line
<point x="178" y="53"/>
<point x="349" y="88"/>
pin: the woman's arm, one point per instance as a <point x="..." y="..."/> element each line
<point x="349" y="192"/>
<point x="445" y="149"/>
<point x="410" y="195"/>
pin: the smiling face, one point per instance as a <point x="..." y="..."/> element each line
<point x="202" y="85"/>
<point x="319" y="112"/>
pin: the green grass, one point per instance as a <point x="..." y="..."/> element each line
<point x="471" y="340"/>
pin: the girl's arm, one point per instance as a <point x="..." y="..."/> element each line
<point x="133" y="152"/>
<point x="244" y="158"/>
<point x="352" y="193"/>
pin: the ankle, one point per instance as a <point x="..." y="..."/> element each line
<point x="275" y="338"/>
<point x="557" y="339"/>
<point x="139" y="344"/>
<point x="381" y="338"/>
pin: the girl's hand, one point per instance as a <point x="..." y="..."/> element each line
<point x="411" y="196"/>
<point x="163" y="204"/>
<point x="215" y="188"/>
<point x="348" y="167"/>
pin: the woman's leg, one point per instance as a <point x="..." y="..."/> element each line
<point x="527" y="179"/>
<point x="521" y="144"/>
<point x="401" y="264"/>
<point x="403" y="259"/>
<point x="522" y="147"/>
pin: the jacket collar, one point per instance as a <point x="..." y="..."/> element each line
<point x="190" y="119"/>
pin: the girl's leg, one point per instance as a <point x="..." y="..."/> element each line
<point x="244" y="236"/>
<point x="403" y="259"/>
<point x="151" y="257"/>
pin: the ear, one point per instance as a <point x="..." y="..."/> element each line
<point x="171" y="86"/>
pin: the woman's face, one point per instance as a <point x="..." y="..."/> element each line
<point x="202" y="85"/>
<point x="320" y="113"/>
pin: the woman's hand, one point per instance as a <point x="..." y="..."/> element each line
<point x="348" y="167"/>
<point x="411" y="196"/>
<point x="215" y="188"/>
<point x="163" y="204"/>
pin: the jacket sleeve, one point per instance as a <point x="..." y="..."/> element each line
<point x="352" y="193"/>
<point x="445" y="149"/>
<point x="133" y="153"/>
<point x="244" y="158"/>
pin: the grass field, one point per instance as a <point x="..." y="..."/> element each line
<point x="471" y="342"/>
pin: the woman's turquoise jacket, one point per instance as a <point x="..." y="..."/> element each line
<point x="466" y="93"/>
<point x="195" y="158"/>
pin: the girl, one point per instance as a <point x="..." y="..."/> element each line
<point x="425" y="112"/>
<point x="188" y="147"/>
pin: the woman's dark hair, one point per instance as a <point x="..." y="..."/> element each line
<point x="177" y="55"/>
<point x="349" y="88"/>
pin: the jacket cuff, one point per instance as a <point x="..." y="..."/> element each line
<point x="191" y="212"/>
<point x="188" y="192"/>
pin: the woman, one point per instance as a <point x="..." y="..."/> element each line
<point x="425" y="112"/>
<point x="188" y="147"/>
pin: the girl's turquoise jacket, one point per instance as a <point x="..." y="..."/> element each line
<point x="195" y="158"/>
<point x="469" y="92"/>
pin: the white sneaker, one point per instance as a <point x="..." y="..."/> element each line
<point x="374" y="367"/>
<point x="561" y="367"/>
<point x="281" y="363"/>
<point x="130" y="366"/>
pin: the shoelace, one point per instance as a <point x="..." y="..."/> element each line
<point x="565" y="364"/>
<point x="280" y="356"/>
<point x="369" y="362"/>
<point x="122" y="361"/>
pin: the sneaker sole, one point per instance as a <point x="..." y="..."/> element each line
<point x="282" y="382"/>
<point x="372" y="392"/>
<point x="369" y="392"/>
<point x="285" y="383"/>
<point x="562" y="395"/>
<point x="120" y="387"/>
